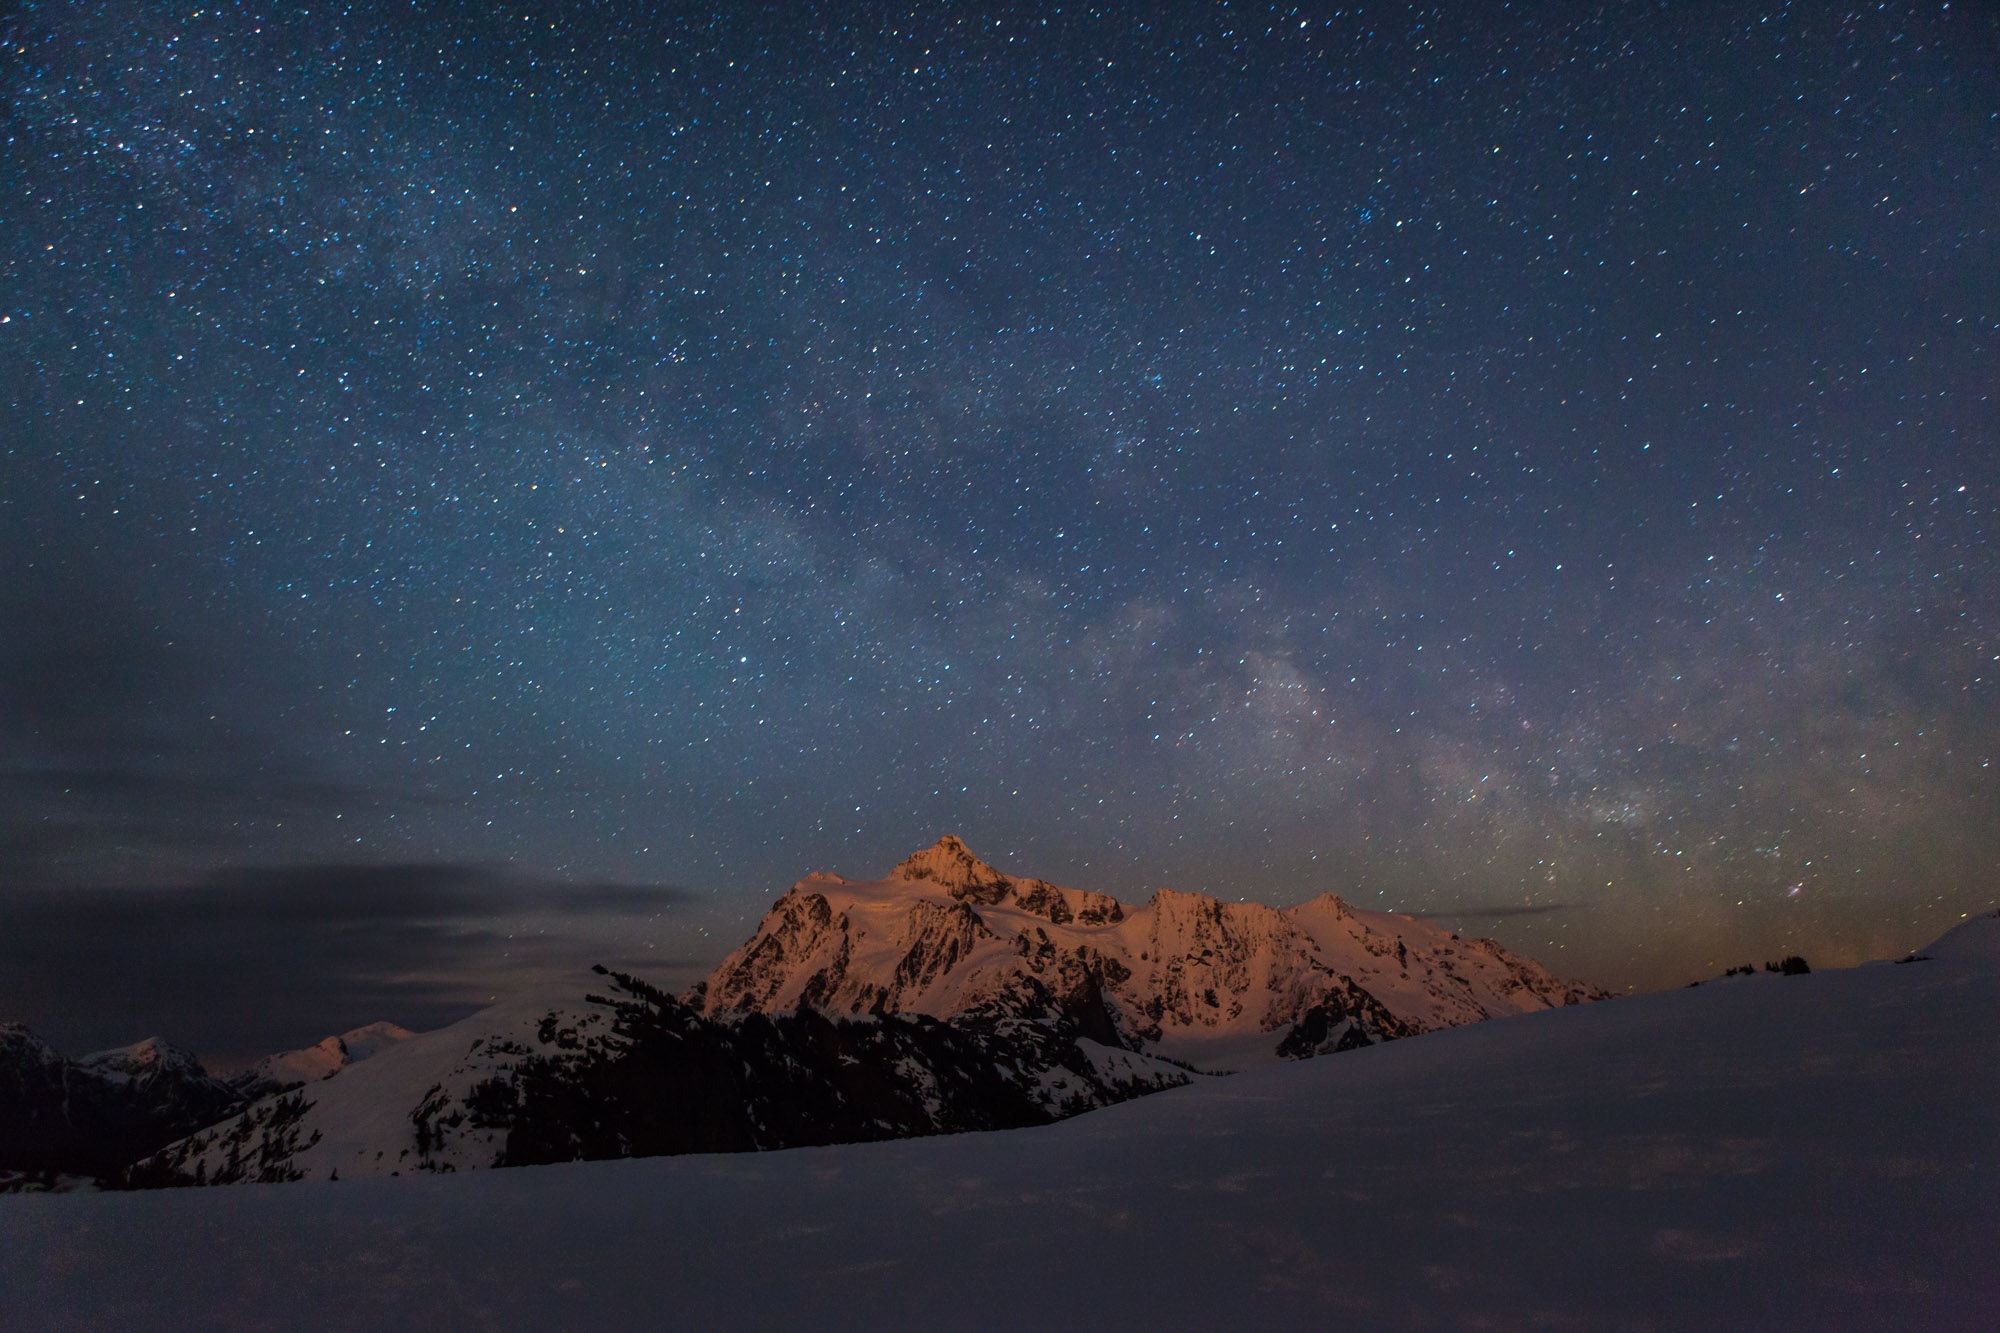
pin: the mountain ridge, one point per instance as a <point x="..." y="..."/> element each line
<point x="311" y="1064"/>
<point x="1183" y="974"/>
<point x="946" y="996"/>
<point x="89" y="1117"/>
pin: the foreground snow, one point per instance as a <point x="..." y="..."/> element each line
<point x="1814" y="1151"/>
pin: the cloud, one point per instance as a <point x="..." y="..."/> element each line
<point x="147" y="733"/>
<point x="1503" y="910"/>
<point x="258" y="960"/>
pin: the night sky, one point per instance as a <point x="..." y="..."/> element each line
<point x="589" y="465"/>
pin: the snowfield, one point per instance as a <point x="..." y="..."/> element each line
<point x="1818" y="1151"/>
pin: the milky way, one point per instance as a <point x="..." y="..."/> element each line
<point x="1533" y="468"/>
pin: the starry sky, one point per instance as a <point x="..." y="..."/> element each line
<point x="590" y="464"/>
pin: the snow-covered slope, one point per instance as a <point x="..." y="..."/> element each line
<point x="90" y="1116"/>
<point x="1975" y="940"/>
<point x="1813" y="1152"/>
<point x="64" y="1122"/>
<point x="604" y="1065"/>
<point x="360" y="1123"/>
<point x="310" y="1064"/>
<point x="1220" y="985"/>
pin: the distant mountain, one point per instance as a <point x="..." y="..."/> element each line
<point x="92" y="1116"/>
<point x="65" y="1122"/>
<point x="1220" y="985"/>
<point x="295" y="1069"/>
<point x="948" y="996"/>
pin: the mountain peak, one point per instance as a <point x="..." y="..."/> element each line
<point x="950" y="864"/>
<point x="143" y="1058"/>
<point x="310" y="1064"/>
<point x="1331" y="903"/>
<point x="368" y="1039"/>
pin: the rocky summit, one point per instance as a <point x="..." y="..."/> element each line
<point x="1214" y="983"/>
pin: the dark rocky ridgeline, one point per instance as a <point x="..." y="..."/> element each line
<point x="93" y="1117"/>
<point x="667" y="1080"/>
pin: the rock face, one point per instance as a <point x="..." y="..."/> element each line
<point x="92" y="1116"/>
<point x="1217" y="984"/>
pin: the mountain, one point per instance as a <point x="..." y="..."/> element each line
<point x="1974" y="940"/>
<point x="1219" y="985"/>
<point x="294" y="1069"/>
<point x="1807" y="1152"/>
<point x="609" y="1066"/>
<point x="946" y="997"/>
<point x="92" y="1116"/>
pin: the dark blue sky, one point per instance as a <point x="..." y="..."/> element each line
<point x="1536" y="461"/>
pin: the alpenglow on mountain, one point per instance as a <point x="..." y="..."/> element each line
<point x="945" y="997"/>
<point x="1219" y="985"/>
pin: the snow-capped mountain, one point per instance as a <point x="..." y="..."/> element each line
<point x="1217" y="984"/>
<point x="611" y="1067"/>
<point x="65" y="1122"/>
<point x="1806" y="1152"/>
<point x="945" y="997"/>
<point x="92" y="1116"/>
<point x="310" y="1064"/>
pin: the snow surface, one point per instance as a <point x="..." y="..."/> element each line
<point x="1976" y="940"/>
<point x="1817" y="1151"/>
